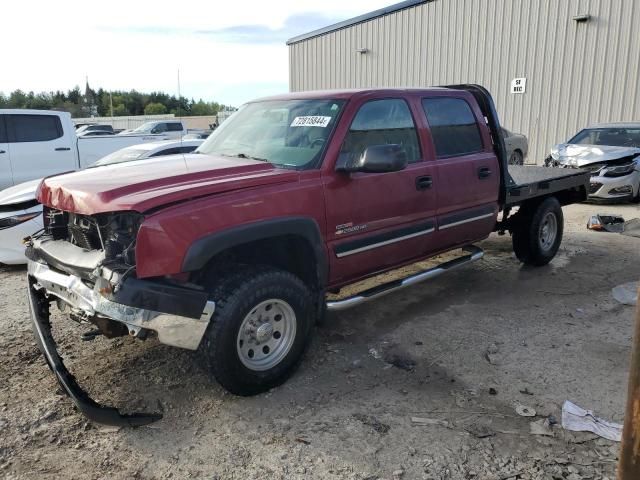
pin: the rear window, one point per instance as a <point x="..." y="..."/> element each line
<point x="33" y="128"/>
<point x="174" y="127"/>
<point x="453" y="126"/>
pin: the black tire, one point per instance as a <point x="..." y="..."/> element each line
<point x="236" y="294"/>
<point x="516" y="158"/>
<point x="527" y="234"/>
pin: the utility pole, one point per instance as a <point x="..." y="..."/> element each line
<point x="629" y="463"/>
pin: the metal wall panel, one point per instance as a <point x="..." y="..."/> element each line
<point x="577" y="73"/>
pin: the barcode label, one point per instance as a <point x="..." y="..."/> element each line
<point x="311" y="121"/>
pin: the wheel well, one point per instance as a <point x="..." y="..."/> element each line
<point x="292" y="253"/>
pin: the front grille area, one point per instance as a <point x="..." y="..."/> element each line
<point x="594" y="187"/>
<point x="115" y="233"/>
<point x="86" y="232"/>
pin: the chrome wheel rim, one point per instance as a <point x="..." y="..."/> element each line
<point x="266" y="335"/>
<point x="548" y="231"/>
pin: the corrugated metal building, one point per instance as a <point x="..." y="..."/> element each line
<point x="580" y="58"/>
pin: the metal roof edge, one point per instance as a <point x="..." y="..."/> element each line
<point x="355" y="20"/>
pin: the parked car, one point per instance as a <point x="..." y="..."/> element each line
<point x="96" y="127"/>
<point x="170" y="128"/>
<point x="611" y="152"/>
<point x="20" y="216"/>
<point x="517" y="146"/>
<point x="232" y="248"/>
<point x="197" y="135"/>
<point x="39" y="143"/>
<point x="21" y="213"/>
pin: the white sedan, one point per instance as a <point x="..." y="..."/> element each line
<point x="21" y="214"/>
<point x="611" y="152"/>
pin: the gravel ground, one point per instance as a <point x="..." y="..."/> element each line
<point x="461" y="352"/>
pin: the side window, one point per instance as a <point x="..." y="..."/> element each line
<point x="3" y="130"/>
<point x="453" y="126"/>
<point x="382" y="122"/>
<point x="159" y="128"/>
<point x="33" y="128"/>
<point x="174" y="127"/>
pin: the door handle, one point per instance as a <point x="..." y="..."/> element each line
<point x="484" y="172"/>
<point x="2" y="151"/>
<point x="62" y="149"/>
<point x="424" y="182"/>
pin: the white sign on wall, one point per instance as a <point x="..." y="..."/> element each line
<point x="518" y="85"/>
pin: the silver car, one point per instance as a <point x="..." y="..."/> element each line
<point x="517" y="146"/>
<point x="611" y="152"/>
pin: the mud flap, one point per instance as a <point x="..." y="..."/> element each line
<point x="39" y="312"/>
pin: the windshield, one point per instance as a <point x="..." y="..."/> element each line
<point x="286" y="133"/>
<point x="145" y="127"/>
<point x="615" y="137"/>
<point x="124" y="155"/>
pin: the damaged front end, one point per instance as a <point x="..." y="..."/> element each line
<point x="86" y="265"/>
<point x="615" y="171"/>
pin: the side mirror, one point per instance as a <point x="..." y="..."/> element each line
<point x="376" y="159"/>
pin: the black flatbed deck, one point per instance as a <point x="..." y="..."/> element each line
<point x="529" y="182"/>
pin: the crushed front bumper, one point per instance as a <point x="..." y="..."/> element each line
<point x="182" y="323"/>
<point x="39" y="309"/>
<point x="172" y="328"/>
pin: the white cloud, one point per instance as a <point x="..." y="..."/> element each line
<point x="141" y="44"/>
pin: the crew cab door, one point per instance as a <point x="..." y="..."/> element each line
<point x="6" y="177"/>
<point x="39" y="146"/>
<point x="467" y="170"/>
<point x="376" y="221"/>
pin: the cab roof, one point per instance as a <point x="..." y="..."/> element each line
<point x="345" y="94"/>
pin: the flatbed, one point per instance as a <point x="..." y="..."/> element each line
<point x="528" y="182"/>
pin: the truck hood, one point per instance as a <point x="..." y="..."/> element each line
<point x="571" y="155"/>
<point x="147" y="184"/>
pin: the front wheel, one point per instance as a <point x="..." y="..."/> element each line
<point x="538" y="232"/>
<point x="259" y="329"/>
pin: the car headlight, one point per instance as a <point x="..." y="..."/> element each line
<point x="619" y="170"/>
<point x="14" y="220"/>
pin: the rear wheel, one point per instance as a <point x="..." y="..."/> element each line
<point x="259" y="330"/>
<point x="538" y="232"/>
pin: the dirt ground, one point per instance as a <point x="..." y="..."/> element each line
<point x="461" y="351"/>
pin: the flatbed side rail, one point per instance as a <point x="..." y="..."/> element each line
<point x="568" y="185"/>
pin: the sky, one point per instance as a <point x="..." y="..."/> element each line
<point x="228" y="52"/>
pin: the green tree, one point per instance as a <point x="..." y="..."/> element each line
<point x="155" y="109"/>
<point x="120" y="110"/>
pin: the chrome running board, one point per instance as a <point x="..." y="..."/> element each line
<point x="473" y="253"/>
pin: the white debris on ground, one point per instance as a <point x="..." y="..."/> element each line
<point x="578" y="419"/>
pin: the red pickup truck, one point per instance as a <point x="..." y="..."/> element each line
<point x="232" y="249"/>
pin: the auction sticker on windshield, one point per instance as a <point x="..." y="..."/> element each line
<point x="311" y="121"/>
